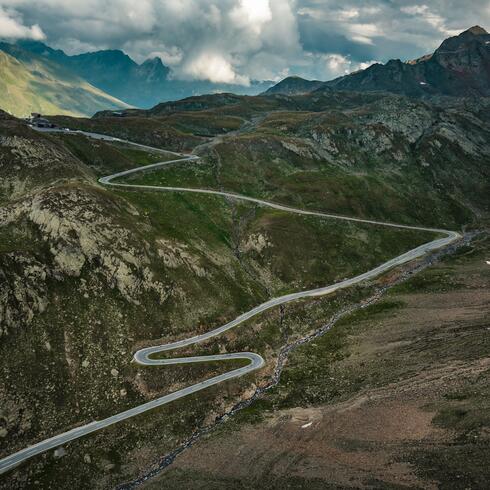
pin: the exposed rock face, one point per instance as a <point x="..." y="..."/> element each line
<point x="176" y="255"/>
<point x="389" y="129"/>
<point x="77" y="232"/>
<point x="30" y="152"/>
<point x="459" y="67"/>
<point x="256" y="242"/>
<point x="78" y="235"/>
<point x="76" y="228"/>
<point x="28" y="160"/>
<point x="23" y="291"/>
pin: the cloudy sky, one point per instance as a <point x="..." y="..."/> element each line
<point x="240" y="40"/>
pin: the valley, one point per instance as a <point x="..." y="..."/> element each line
<point x="158" y="199"/>
<point x="317" y="254"/>
<point x="391" y="401"/>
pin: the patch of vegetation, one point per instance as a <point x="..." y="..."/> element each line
<point x="466" y="413"/>
<point x="108" y="158"/>
<point x="432" y="281"/>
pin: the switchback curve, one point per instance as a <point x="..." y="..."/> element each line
<point x="144" y="356"/>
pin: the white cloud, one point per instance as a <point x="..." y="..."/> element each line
<point x="433" y="19"/>
<point x="214" y="67"/>
<point x="74" y="46"/>
<point x="363" y="33"/>
<point x="142" y="49"/>
<point x="12" y="27"/>
<point x="348" y="14"/>
<point x="252" y="13"/>
<point x="338" y="65"/>
<point x="363" y="65"/>
<point x="246" y="39"/>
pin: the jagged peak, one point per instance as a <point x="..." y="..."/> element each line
<point x="153" y="61"/>
<point x="476" y="31"/>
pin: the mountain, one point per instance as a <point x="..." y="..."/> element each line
<point x="30" y="83"/>
<point x="88" y="275"/>
<point x="142" y="85"/>
<point x="110" y="70"/>
<point x="459" y="67"/>
<point x="294" y="86"/>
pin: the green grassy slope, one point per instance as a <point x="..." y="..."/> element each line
<point x="36" y="85"/>
<point x="376" y="156"/>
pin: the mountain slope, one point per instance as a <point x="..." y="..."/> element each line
<point x="294" y="86"/>
<point x="142" y="85"/>
<point x="365" y="154"/>
<point x="29" y="83"/>
<point x="87" y="274"/>
<point x="459" y="67"/>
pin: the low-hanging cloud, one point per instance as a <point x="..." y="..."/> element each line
<point x="236" y="41"/>
<point x="12" y="27"/>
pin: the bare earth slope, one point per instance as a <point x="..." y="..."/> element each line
<point x="396" y="396"/>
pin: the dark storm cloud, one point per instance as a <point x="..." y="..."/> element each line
<point x="239" y="40"/>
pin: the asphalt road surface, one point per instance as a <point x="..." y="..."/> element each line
<point x="144" y="356"/>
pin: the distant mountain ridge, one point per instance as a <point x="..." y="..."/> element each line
<point x="294" y="85"/>
<point x="141" y="85"/>
<point x="459" y="67"/>
<point x="110" y="70"/>
<point x="31" y="83"/>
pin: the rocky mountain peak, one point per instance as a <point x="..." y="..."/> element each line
<point x="476" y="31"/>
<point x="459" y="67"/>
<point x="474" y="36"/>
<point x="153" y="70"/>
<point x="294" y="85"/>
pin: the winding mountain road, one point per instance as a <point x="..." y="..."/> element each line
<point x="144" y="356"/>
